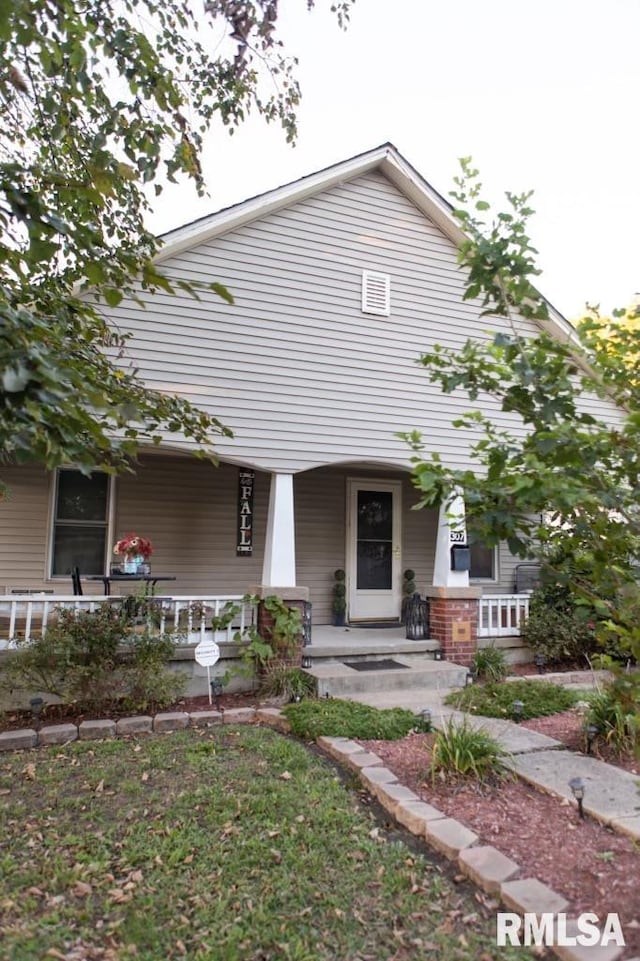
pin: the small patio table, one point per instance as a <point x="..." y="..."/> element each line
<point x="150" y="580"/>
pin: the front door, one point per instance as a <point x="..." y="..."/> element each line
<point x="374" y="524"/>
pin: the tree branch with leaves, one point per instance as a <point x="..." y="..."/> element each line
<point x="97" y="101"/>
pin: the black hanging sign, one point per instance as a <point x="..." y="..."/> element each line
<point x="244" y="547"/>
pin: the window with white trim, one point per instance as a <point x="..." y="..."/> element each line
<point x="376" y="293"/>
<point x="80" y="522"/>
<point x="483" y="562"/>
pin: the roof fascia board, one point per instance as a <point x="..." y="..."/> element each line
<point x="182" y="238"/>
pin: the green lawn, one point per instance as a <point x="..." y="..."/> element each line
<point x="222" y="845"/>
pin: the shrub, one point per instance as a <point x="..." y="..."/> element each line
<point x="96" y="661"/>
<point x="332" y="718"/>
<point x="288" y="682"/>
<point x="615" y="712"/>
<point x="462" y="751"/>
<point x="539" y="698"/>
<point x="558" y="627"/>
<point x="489" y="663"/>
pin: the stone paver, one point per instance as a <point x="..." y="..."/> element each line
<point x="449" y="836"/>
<point x="274" y="718"/>
<point x="205" y="718"/>
<point x="371" y="777"/>
<point x="391" y="795"/>
<point x="578" y="952"/>
<point x="487" y="867"/>
<point x="361" y="759"/>
<point x="630" y="826"/>
<point x="610" y="793"/>
<point x="19" y="740"/>
<point x="93" y="730"/>
<point x="240" y="715"/>
<point x="339" y="747"/>
<point x="171" y="721"/>
<point x="529" y="895"/>
<point x="134" y="725"/>
<point x="58" y="734"/>
<point x="413" y="815"/>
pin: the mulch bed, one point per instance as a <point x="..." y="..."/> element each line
<point x="65" y="714"/>
<point x="594" y="868"/>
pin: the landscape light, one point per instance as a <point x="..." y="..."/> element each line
<point x="36" y="704"/>
<point x="591" y="731"/>
<point x="306" y="662"/>
<point x="577" y="787"/>
<point x="216" y="690"/>
<point x="517" y="707"/>
<point x="540" y="661"/>
<point x="426" y="717"/>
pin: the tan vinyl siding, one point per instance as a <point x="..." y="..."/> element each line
<point x="24" y="517"/>
<point x="189" y="510"/>
<point x="295" y="368"/>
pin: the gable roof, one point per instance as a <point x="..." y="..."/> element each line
<point x="387" y="160"/>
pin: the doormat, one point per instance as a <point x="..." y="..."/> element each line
<point x="376" y="625"/>
<point x="386" y="664"/>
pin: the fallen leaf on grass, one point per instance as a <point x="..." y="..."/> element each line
<point x="29" y="772"/>
<point x="81" y="889"/>
<point x="276" y="855"/>
<point x="99" y="787"/>
<point x="286" y="776"/>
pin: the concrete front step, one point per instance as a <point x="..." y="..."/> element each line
<point x="368" y="649"/>
<point x="341" y="680"/>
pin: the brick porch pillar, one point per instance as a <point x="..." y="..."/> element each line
<point x="453" y="621"/>
<point x="294" y="597"/>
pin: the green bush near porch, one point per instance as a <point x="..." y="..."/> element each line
<point x="333" y="718"/>
<point x="97" y="661"/>
<point x="538" y="698"/>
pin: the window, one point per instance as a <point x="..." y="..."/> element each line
<point x="80" y="521"/>
<point x="483" y="562"/>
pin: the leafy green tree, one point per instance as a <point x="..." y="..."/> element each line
<point x="560" y="482"/>
<point x="98" y="100"/>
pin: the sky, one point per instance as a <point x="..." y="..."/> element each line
<point x="543" y="95"/>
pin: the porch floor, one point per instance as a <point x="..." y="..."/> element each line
<point x="337" y="642"/>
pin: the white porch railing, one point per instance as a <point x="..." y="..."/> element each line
<point x="500" y="615"/>
<point x="26" y="617"/>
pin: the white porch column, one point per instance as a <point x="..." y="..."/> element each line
<point x="279" y="568"/>
<point x="451" y="530"/>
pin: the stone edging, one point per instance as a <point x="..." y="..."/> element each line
<point x="484" y="865"/>
<point x="25" y="738"/>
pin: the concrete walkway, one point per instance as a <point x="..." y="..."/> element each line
<point x="611" y="796"/>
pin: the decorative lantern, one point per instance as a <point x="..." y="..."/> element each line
<point x="417" y="618"/>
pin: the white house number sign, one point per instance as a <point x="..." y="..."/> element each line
<point x="244" y="544"/>
<point x="457" y="537"/>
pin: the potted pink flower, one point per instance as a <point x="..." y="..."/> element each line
<point x="135" y="551"/>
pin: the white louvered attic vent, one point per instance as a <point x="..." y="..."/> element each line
<point x="376" y="293"/>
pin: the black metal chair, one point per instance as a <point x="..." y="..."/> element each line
<point x="76" y="582"/>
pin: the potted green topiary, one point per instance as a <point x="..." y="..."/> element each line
<point x="339" y="598"/>
<point x="408" y="589"/>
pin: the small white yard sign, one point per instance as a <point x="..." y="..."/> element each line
<point x="207" y="653"/>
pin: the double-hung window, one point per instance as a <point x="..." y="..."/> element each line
<point x="80" y="522"/>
